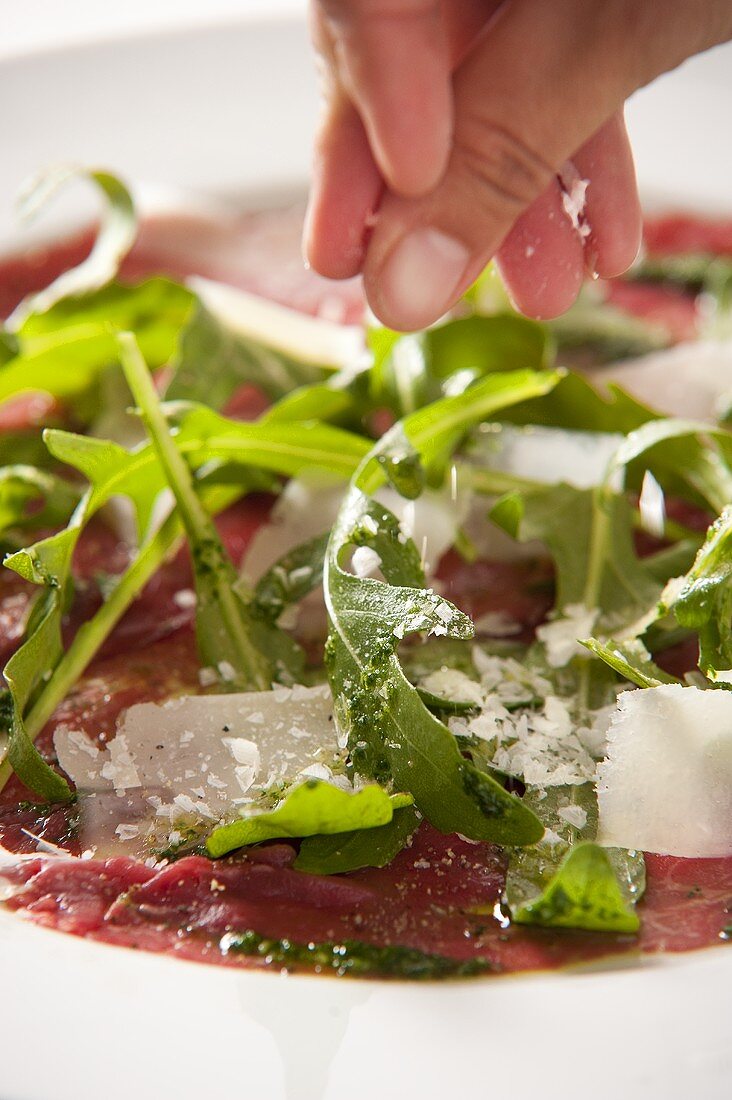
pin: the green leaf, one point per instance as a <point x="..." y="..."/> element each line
<point x="285" y="447"/>
<point x="111" y="470"/>
<point x="20" y="486"/>
<point x="632" y="660"/>
<point x="374" y="847"/>
<point x="585" y="892"/>
<point x="29" y="672"/>
<point x="411" y="370"/>
<point x="66" y="351"/>
<point x="229" y="636"/>
<point x="391" y="733"/>
<point x="291" y="577"/>
<point x="590" y="537"/>
<point x="602" y="333"/>
<point x="589" y="532"/>
<point x="117" y="232"/>
<point x="206" y="439"/>
<point x="575" y="404"/>
<point x="213" y="361"/>
<point x="680" y="452"/>
<point x="482" y="345"/>
<point x="313" y="807"/>
<point x="566" y="881"/>
<point x="317" y="402"/>
<point x="703" y="602"/>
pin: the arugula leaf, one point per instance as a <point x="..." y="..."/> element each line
<point x="208" y="440"/>
<point x="392" y="734"/>
<point x="45" y="676"/>
<point x="20" y="486"/>
<point x="482" y="345"/>
<point x="632" y="660"/>
<point x="566" y="881"/>
<point x="589" y="532"/>
<point x="31" y="673"/>
<point x="310" y="808"/>
<point x="374" y="847"/>
<point x="283" y="447"/>
<point x="602" y="332"/>
<point x="703" y="601"/>
<point x="411" y="370"/>
<point x="587" y="891"/>
<point x="117" y="232"/>
<point x="68" y="351"/>
<point x="228" y="635"/>
<point x="291" y="577"/>
<point x="320" y="401"/>
<point x="232" y="358"/>
<point x="590" y="537"/>
<point x="689" y="452"/>
<point x="575" y="404"/>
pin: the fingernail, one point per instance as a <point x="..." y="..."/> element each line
<point x="421" y="276"/>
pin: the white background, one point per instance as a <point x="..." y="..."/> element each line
<point x="41" y="24"/>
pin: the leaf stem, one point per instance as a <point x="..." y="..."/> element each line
<point x="205" y="544"/>
<point x="93" y="633"/>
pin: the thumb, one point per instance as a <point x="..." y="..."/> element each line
<point x="542" y="81"/>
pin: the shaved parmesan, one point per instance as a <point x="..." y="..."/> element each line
<point x="561" y="635"/>
<point x="203" y="756"/>
<point x="666" y="784"/>
<point x="652" y="506"/>
<point x="528" y="731"/>
<point x="689" y="380"/>
<point x="574" y="197"/>
<point x="312" y="339"/>
<point x="547" y="455"/>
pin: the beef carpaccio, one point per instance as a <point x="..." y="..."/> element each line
<point x="437" y="908"/>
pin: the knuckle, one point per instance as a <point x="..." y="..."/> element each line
<point x="503" y="171"/>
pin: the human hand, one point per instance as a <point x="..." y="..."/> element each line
<point x="459" y="130"/>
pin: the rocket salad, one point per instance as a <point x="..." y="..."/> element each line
<point x="483" y="629"/>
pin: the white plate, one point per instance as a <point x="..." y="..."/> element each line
<point x="225" y="110"/>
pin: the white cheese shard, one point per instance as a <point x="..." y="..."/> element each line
<point x="203" y="755"/>
<point x="574" y="197"/>
<point x="652" y="506"/>
<point x="693" y="380"/>
<point x="666" y="783"/>
<point x="561" y="635"/>
<point x="365" y="561"/>
<point x="289" y="331"/>
<point x="547" y="455"/>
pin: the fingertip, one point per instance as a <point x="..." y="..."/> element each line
<point x="542" y="260"/>
<point x="613" y="245"/>
<point x="612" y="209"/>
<point x="418" y="279"/>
